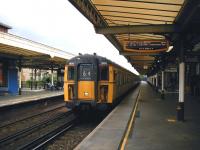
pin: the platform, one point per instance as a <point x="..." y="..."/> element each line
<point x="28" y="96"/>
<point x="155" y="128"/>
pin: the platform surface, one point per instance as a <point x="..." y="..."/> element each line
<point x="157" y="128"/>
<point x="28" y="96"/>
<point x="108" y="134"/>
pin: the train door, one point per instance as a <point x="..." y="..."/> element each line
<point x="86" y="82"/>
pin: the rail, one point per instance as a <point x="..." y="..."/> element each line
<point x="32" y="116"/>
<point x="45" y="139"/>
<point x="29" y="130"/>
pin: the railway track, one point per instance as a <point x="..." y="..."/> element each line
<point x="42" y="130"/>
<point x="31" y="116"/>
<point x="84" y="126"/>
<point x="47" y="138"/>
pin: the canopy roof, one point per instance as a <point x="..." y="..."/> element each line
<point x="30" y="53"/>
<point x="138" y="20"/>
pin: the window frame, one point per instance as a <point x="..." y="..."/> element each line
<point x="100" y="72"/>
<point x="72" y="78"/>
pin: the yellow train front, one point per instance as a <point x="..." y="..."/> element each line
<point x="94" y="81"/>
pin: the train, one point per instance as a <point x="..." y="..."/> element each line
<point x="95" y="82"/>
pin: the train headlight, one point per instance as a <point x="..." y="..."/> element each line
<point x="86" y="93"/>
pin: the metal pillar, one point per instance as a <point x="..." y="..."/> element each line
<point x="162" y="85"/>
<point x="58" y="74"/>
<point x="156" y="79"/>
<point x="35" y="80"/>
<point x="52" y="76"/>
<point x="32" y="79"/>
<point x="20" y="78"/>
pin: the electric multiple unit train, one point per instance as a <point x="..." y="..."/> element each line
<point x="95" y="81"/>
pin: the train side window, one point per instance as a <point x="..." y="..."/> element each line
<point x="103" y="73"/>
<point x="115" y="76"/>
<point x="71" y="73"/>
<point x="123" y="78"/>
<point x="120" y="79"/>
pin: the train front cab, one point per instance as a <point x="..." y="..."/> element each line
<point x="93" y="86"/>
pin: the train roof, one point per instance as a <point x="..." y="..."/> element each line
<point x="89" y="56"/>
<point x="100" y="59"/>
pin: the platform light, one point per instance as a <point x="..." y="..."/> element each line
<point x="169" y="49"/>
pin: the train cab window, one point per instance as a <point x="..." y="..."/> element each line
<point x="103" y="72"/>
<point x="71" y="73"/>
<point x="85" y="72"/>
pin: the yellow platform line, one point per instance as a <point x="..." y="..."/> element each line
<point x="130" y="124"/>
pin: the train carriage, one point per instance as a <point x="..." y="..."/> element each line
<point x="95" y="81"/>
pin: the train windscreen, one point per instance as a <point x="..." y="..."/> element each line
<point x="85" y="72"/>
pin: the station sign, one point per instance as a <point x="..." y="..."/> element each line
<point x="171" y="70"/>
<point x="146" y="46"/>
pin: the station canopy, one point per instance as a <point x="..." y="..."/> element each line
<point x="141" y="30"/>
<point x="31" y="54"/>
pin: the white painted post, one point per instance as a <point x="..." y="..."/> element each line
<point x="156" y="82"/>
<point x="180" y="107"/>
<point x="181" y="81"/>
<point x="52" y="77"/>
<point x="153" y="80"/>
<point x="162" y="87"/>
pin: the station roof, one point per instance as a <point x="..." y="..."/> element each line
<point x="30" y="53"/>
<point x="5" y="26"/>
<point x="139" y="20"/>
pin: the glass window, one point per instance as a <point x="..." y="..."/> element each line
<point x="71" y="73"/>
<point x="115" y="75"/>
<point x="103" y="72"/>
<point x="85" y="72"/>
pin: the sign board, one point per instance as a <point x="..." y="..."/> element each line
<point x="171" y="70"/>
<point x="146" y="46"/>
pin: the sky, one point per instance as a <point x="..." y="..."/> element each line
<point x="59" y="24"/>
